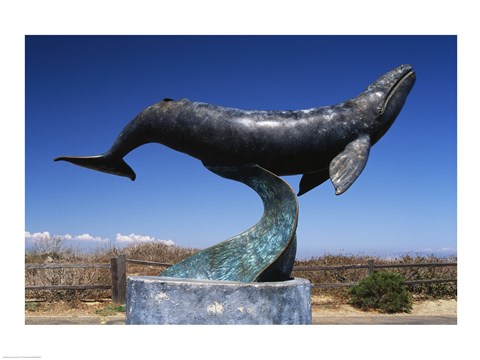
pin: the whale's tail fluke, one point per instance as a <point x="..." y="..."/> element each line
<point x="105" y="163"/>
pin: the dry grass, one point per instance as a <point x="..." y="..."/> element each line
<point x="427" y="291"/>
<point x="53" y="251"/>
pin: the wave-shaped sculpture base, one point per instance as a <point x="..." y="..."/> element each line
<point x="266" y="252"/>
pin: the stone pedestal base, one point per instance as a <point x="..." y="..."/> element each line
<point x="164" y="300"/>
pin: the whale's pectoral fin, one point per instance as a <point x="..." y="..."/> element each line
<point x="310" y="181"/>
<point x="348" y="165"/>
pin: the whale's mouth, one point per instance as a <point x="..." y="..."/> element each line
<point x="394" y="89"/>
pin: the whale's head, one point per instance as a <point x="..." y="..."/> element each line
<point x="386" y="97"/>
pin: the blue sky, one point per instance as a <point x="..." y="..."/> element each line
<point x="82" y="90"/>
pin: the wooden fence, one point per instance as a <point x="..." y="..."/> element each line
<point x="371" y="266"/>
<point x="118" y="270"/>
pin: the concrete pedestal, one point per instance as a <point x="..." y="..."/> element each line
<point x="164" y="300"/>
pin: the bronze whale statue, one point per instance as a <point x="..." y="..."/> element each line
<point x="255" y="148"/>
<point x="320" y="143"/>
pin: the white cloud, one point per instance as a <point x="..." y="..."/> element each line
<point x="37" y="235"/>
<point x="88" y="239"/>
<point x="441" y="250"/>
<point x="31" y="237"/>
<point x="449" y="249"/>
<point x="133" y="237"/>
<point x="140" y="238"/>
<point x="84" y="237"/>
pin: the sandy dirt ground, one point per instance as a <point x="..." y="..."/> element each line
<point x="324" y="305"/>
<point x="83" y="308"/>
<point x="321" y="305"/>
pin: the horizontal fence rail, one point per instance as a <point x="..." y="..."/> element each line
<point x="65" y="266"/>
<point x="383" y="266"/>
<point x="410" y="283"/>
<point x="118" y="270"/>
<point x="439" y="264"/>
<point x="150" y="263"/>
<point x="371" y="266"/>
<point x="326" y="268"/>
<point x="69" y="287"/>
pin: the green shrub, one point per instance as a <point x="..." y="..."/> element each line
<point x="383" y="291"/>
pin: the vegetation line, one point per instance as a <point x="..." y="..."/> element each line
<point x="50" y="266"/>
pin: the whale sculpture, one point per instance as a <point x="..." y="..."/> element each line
<point x="320" y="143"/>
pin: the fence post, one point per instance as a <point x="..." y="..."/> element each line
<point x="118" y="268"/>
<point x="371" y="268"/>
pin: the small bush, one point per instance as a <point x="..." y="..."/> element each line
<point x="383" y="291"/>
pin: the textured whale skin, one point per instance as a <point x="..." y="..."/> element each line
<point x="285" y="142"/>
